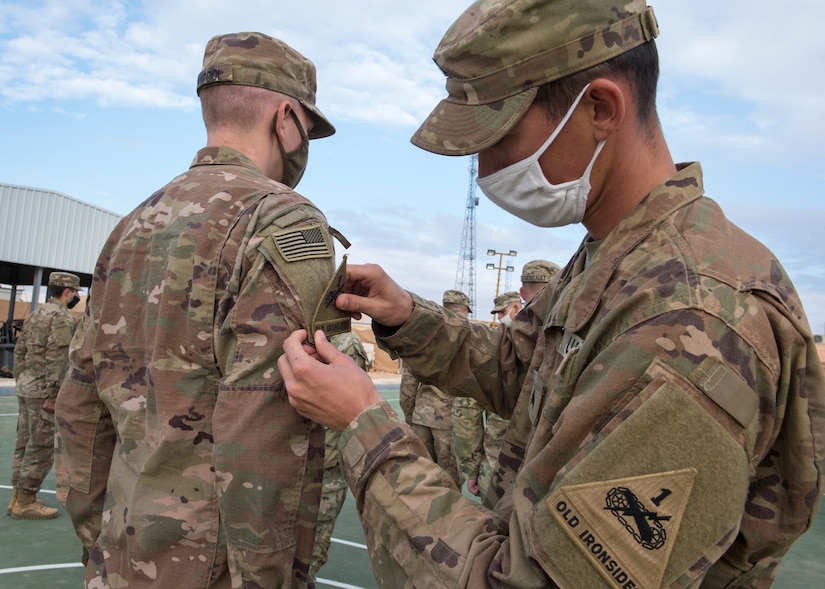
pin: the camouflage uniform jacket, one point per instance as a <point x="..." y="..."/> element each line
<point x="424" y="404"/>
<point x="180" y="460"/>
<point x="41" y="354"/>
<point x="677" y="412"/>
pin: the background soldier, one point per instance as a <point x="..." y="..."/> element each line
<point x="428" y="410"/>
<point x="477" y="433"/>
<point x="334" y="488"/>
<point x="534" y="275"/>
<point x="40" y="363"/>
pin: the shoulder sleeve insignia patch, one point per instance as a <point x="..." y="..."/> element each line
<point x="625" y="528"/>
<point x="303" y="243"/>
<point x="329" y="318"/>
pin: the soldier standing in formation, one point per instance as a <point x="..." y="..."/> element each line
<point x="182" y="462"/>
<point x="428" y="410"/>
<point x="676" y="399"/>
<point x="334" y="487"/>
<point x="41" y="357"/>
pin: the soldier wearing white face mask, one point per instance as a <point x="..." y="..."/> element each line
<point x="669" y="379"/>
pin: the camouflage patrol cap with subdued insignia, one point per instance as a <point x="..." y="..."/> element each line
<point x="503" y="301"/>
<point x="65" y="279"/>
<point x="538" y="271"/>
<point x="255" y="59"/>
<point x="456" y="297"/>
<point x="498" y="52"/>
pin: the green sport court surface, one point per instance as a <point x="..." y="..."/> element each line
<point x="45" y="554"/>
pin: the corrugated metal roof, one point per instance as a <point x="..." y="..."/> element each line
<point x="47" y="229"/>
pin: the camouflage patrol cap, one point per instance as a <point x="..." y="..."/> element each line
<point x="538" y="271"/>
<point x="456" y="297"/>
<point x="503" y="301"/>
<point x="498" y="52"/>
<point x="65" y="279"/>
<point x="255" y="59"/>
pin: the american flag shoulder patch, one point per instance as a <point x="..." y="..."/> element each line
<point x="303" y="243"/>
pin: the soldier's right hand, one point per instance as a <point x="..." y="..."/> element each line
<point x="371" y="291"/>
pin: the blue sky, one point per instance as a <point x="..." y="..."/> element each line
<point x="98" y="102"/>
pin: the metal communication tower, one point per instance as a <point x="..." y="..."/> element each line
<point x="465" y="276"/>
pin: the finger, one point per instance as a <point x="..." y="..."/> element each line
<point x="327" y="352"/>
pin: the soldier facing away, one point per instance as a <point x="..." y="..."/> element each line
<point x="676" y="400"/>
<point x="181" y="461"/>
<point x="41" y="357"/>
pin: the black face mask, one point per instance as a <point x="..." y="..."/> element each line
<point x="73" y="302"/>
<point x="294" y="162"/>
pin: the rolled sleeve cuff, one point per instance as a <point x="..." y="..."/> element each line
<point x="375" y="436"/>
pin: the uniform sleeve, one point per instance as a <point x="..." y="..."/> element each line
<point x="57" y="352"/>
<point x="267" y="455"/>
<point x="406" y="394"/>
<point x="85" y="439"/>
<point x="468" y="435"/>
<point x="20" y="351"/>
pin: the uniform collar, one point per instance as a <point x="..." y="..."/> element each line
<point x="684" y="187"/>
<point x="222" y="155"/>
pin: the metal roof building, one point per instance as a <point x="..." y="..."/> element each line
<point x="43" y="230"/>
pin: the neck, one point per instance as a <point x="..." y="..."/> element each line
<point x="633" y="169"/>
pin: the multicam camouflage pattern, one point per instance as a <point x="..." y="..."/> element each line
<point x="181" y="461"/>
<point x="66" y="279"/>
<point x="477" y="438"/>
<point x="539" y="271"/>
<point x="676" y="360"/>
<point x="430" y="414"/>
<point x="498" y="52"/>
<point x="456" y="297"/>
<point x="334" y="487"/>
<point x="255" y="59"/>
<point x="504" y="300"/>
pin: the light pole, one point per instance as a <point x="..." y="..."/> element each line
<point x="500" y="267"/>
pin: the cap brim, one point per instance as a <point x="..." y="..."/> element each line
<point x="321" y="126"/>
<point x="463" y="129"/>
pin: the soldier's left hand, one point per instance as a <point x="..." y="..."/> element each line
<point x="330" y="388"/>
<point x="48" y="406"/>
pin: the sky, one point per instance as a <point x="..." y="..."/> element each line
<point x="98" y="102"/>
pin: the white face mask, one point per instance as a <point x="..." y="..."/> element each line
<point x="506" y="320"/>
<point x="522" y="189"/>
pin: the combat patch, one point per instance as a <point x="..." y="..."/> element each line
<point x="626" y="528"/>
<point x="303" y="243"/>
<point x="327" y="317"/>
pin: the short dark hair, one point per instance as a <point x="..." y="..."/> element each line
<point x="639" y="67"/>
<point x="56" y="291"/>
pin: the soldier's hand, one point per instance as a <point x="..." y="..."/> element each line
<point x="332" y="391"/>
<point x="48" y="405"/>
<point x="371" y="291"/>
<point x="472" y="486"/>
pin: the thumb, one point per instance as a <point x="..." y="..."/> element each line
<point x="327" y="352"/>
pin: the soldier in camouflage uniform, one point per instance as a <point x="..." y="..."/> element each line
<point x="478" y="433"/>
<point x="428" y="410"/>
<point x="334" y="487"/>
<point x="534" y="276"/>
<point x="181" y="462"/>
<point x="671" y="379"/>
<point x="41" y="357"/>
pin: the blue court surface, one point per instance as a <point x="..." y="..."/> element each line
<point x="45" y="554"/>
